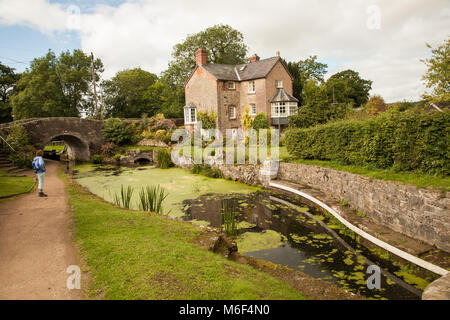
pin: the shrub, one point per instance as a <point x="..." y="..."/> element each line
<point x="147" y="134"/>
<point x="17" y="137"/>
<point x="406" y="141"/>
<point x="158" y="122"/>
<point x="319" y="113"/>
<point x="98" y="158"/>
<point x="208" y="120"/>
<point x="23" y="156"/>
<point x="19" y="140"/>
<point x="207" y="171"/>
<point x="163" y="159"/>
<point x="117" y="157"/>
<point x="160" y="134"/>
<point x="117" y="131"/>
<point x="260" y="121"/>
<point x="110" y="149"/>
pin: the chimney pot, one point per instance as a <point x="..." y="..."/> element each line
<point x="278" y="53"/>
<point x="254" y="58"/>
<point x="200" y="57"/>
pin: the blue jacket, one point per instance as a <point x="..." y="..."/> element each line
<point x="40" y="163"/>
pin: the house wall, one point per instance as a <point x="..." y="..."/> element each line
<point x="201" y="90"/>
<point x="278" y="73"/>
<point x="258" y="98"/>
<point x="227" y="98"/>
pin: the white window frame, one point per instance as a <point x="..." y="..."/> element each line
<point x="290" y="109"/>
<point x="252" y="109"/>
<point x="231" y="85"/>
<point x="251" y="87"/>
<point x="279" y="84"/>
<point x="232" y="113"/>
<point x="189" y="117"/>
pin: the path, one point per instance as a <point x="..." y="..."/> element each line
<point x="36" y="243"/>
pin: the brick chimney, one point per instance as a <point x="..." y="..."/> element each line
<point x="200" y="56"/>
<point x="254" y="58"/>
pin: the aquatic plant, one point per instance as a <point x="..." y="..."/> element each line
<point x="163" y="159"/>
<point x="228" y="218"/>
<point x="123" y="198"/>
<point x="151" y="198"/>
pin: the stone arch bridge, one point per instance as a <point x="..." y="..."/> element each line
<point x="83" y="137"/>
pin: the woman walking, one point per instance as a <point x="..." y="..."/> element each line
<point x="39" y="167"/>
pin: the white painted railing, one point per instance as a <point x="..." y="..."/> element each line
<point x="402" y="254"/>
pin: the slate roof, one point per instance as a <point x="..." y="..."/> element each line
<point x="242" y="72"/>
<point x="282" y="96"/>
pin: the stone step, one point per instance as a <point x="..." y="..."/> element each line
<point x="10" y="168"/>
<point x="5" y="165"/>
<point x="18" y="170"/>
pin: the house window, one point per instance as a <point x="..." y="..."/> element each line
<point x="279" y="84"/>
<point x="284" y="109"/>
<point x="293" y="108"/>
<point x="232" y="112"/>
<point x="251" y="87"/>
<point x="190" y="115"/>
<point x="252" y="109"/>
<point x="231" y="85"/>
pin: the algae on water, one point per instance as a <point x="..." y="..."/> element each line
<point x="256" y="241"/>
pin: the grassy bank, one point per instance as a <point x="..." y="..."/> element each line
<point x="15" y="185"/>
<point x="134" y="255"/>
<point x="421" y="180"/>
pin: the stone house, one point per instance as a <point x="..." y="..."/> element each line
<point x="264" y="85"/>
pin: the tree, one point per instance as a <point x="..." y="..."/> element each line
<point x="437" y="76"/>
<point x="125" y="94"/>
<point x="55" y="87"/>
<point x="261" y="121"/>
<point x="304" y="71"/>
<point x="348" y="87"/>
<point x="8" y="82"/>
<point x="375" y="105"/>
<point x="313" y="93"/>
<point x="247" y="120"/>
<point x="223" y="44"/>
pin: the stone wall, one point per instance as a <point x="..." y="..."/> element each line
<point x="422" y="214"/>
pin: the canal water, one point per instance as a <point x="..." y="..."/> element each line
<point x="269" y="226"/>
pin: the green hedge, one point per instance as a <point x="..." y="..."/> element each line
<point x="404" y="141"/>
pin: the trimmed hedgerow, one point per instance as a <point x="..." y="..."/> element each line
<point x="403" y="141"/>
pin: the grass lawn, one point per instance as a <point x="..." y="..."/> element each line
<point x="14" y="185"/>
<point x="421" y="180"/>
<point x="58" y="149"/>
<point x="134" y="255"/>
<point x="143" y="148"/>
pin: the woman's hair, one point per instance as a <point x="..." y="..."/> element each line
<point x="39" y="153"/>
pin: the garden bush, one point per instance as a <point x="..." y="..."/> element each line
<point x="406" y="141"/>
<point x="117" y="131"/>
<point x="98" y="158"/>
<point x="24" y="152"/>
<point x="163" y="159"/>
<point x="110" y="149"/>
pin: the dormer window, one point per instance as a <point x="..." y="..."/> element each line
<point x="251" y="87"/>
<point x="231" y="85"/>
<point x="279" y="84"/>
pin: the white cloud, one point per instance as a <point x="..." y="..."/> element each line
<point x="143" y="32"/>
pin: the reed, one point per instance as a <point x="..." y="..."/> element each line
<point x="228" y="215"/>
<point x="151" y="199"/>
<point x="123" y="198"/>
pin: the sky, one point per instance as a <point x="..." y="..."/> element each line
<point x="383" y="40"/>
